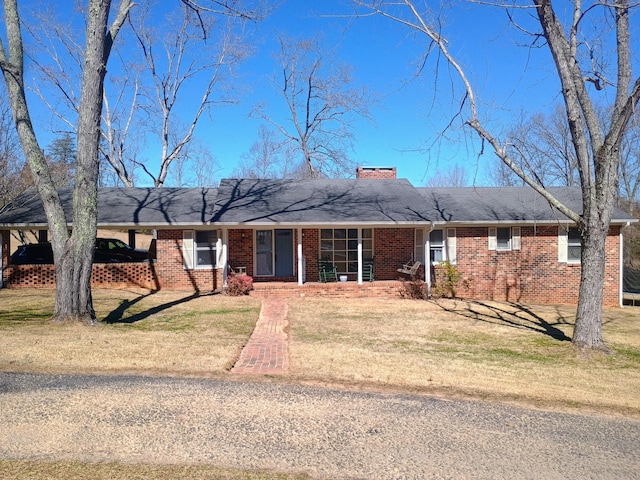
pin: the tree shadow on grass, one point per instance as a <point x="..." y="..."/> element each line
<point x="119" y="314"/>
<point x="510" y="314"/>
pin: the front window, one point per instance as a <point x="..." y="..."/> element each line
<point x="574" y="245"/>
<point x="504" y="238"/>
<point x="436" y="246"/>
<point x="205" y="248"/>
<point x="340" y="247"/>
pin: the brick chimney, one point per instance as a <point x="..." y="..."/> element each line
<point x="376" y="172"/>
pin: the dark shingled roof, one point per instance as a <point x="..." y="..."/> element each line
<point x="310" y="202"/>
<point x="502" y="204"/>
<point x="317" y="201"/>
<point x="124" y="207"/>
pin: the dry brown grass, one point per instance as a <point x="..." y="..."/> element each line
<point x="19" y="469"/>
<point x="485" y="350"/>
<point x="478" y="350"/>
<point x="172" y="333"/>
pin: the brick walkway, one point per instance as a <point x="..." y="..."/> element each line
<point x="267" y="351"/>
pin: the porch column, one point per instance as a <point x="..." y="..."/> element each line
<point x="301" y="262"/>
<point x="224" y="256"/>
<point x="427" y="261"/>
<point x="359" y="256"/>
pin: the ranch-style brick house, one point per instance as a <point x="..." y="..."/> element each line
<point x="508" y="243"/>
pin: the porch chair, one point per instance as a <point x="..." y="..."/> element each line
<point x="367" y="270"/>
<point x="327" y="271"/>
<point x="410" y="268"/>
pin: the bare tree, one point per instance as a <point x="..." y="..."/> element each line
<point x="11" y="159"/>
<point x="596" y="145"/>
<point x="322" y="102"/>
<point x="180" y="66"/>
<point x="454" y="177"/>
<point x="195" y="167"/>
<point x="73" y="253"/>
<point x="269" y="157"/>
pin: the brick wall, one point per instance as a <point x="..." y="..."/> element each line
<point x="170" y="266"/>
<point x="104" y="275"/>
<point x="6" y="246"/>
<point x="532" y="274"/>
<point x="392" y="248"/>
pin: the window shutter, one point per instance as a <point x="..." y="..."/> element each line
<point x="515" y="238"/>
<point x="451" y="245"/>
<point x="493" y="238"/>
<point x="418" y="253"/>
<point x="187" y="248"/>
<point x="563" y="245"/>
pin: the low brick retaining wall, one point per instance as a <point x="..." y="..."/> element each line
<point x="378" y="289"/>
<point x="105" y="275"/>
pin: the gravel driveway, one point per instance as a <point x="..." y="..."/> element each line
<point x="327" y="433"/>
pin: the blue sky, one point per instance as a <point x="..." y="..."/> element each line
<point x="412" y="112"/>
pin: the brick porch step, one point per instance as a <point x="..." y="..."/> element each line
<point x="386" y="288"/>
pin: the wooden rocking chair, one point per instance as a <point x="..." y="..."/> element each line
<point x="410" y="268"/>
<point x="327" y="271"/>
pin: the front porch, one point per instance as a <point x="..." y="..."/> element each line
<point x="376" y="289"/>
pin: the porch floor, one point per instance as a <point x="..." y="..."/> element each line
<point x="382" y="288"/>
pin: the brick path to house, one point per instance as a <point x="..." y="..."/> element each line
<point x="267" y="351"/>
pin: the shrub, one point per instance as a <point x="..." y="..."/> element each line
<point x="448" y="279"/>
<point x="239" y="285"/>
<point x="415" y="289"/>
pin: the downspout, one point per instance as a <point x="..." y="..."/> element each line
<point x="621" y="250"/>
<point x="427" y="259"/>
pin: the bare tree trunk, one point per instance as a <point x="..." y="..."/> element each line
<point x="587" y="332"/>
<point x="73" y="254"/>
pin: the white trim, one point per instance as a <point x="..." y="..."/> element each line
<point x="563" y="245"/>
<point x="224" y="263"/>
<point x="451" y="245"/>
<point x="301" y="261"/>
<point x="516" y="239"/>
<point x="359" y="255"/>
<point x="492" y="236"/>
<point x="187" y="248"/>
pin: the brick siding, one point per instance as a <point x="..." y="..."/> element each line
<point x="532" y="274"/>
<point x="171" y="271"/>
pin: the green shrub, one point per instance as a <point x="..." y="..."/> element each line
<point x="447" y="280"/>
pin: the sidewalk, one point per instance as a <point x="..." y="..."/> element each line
<point x="267" y="351"/>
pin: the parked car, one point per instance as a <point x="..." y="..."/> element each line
<point x="112" y="250"/>
<point x="108" y="250"/>
<point x="32" y="254"/>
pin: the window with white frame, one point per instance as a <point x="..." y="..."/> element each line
<point x="436" y="246"/>
<point x="340" y="246"/>
<point x="200" y="248"/>
<point x="442" y="245"/>
<point x="569" y="245"/>
<point x="504" y="238"/>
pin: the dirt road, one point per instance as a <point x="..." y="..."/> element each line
<point x="327" y="433"/>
